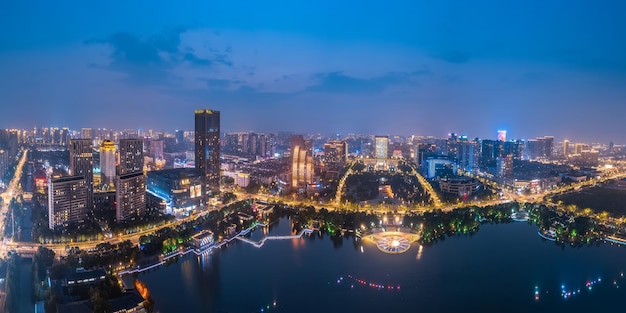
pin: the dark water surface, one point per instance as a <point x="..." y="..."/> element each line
<point x="494" y="270"/>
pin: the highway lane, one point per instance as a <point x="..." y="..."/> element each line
<point x="12" y="189"/>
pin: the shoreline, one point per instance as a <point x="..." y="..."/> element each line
<point x="207" y="250"/>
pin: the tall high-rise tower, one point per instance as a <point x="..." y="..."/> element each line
<point x="67" y="201"/>
<point x="107" y="162"/>
<point x="131" y="156"/>
<point x="130" y="183"/>
<point x="301" y="162"/>
<point x="207" y="144"/>
<point x="81" y="164"/>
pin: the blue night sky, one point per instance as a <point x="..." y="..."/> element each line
<point x="533" y="67"/>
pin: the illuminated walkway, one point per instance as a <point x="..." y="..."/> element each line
<point x="208" y="250"/>
<point x="260" y="243"/>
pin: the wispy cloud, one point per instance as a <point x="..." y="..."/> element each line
<point x="338" y="82"/>
<point x="150" y="60"/>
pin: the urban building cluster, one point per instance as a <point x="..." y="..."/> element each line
<point x="136" y="171"/>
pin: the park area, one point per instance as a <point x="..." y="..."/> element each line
<point x="598" y="199"/>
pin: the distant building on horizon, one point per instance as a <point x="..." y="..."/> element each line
<point x="87" y="133"/>
<point x="4" y="163"/>
<point x="539" y="148"/>
<point x="381" y="144"/>
<point x="207" y="150"/>
<point x="335" y="154"/>
<point x="501" y="135"/>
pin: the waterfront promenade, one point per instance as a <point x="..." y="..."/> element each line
<point x="215" y="246"/>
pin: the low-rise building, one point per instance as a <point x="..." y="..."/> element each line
<point x="180" y="188"/>
<point x="461" y="186"/>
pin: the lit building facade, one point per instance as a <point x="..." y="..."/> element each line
<point x="67" y="201"/>
<point x="81" y="164"/>
<point x="502" y="135"/>
<point x="180" y="188"/>
<point x="87" y="133"/>
<point x="130" y="195"/>
<point x="382" y="147"/>
<point x="207" y="148"/>
<point x="539" y="148"/>
<point x="156" y="149"/>
<point x="107" y="162"/>
<point x="438" y="167"/>
<point x="505" y="166"/>
<point x="460" y="186"/>
<point x="335" y="153"/>
<point x="4" y="163"/>
<point x="131" y="156"/>
<point x="301" y="167"/>
<point x="468" y="155"/>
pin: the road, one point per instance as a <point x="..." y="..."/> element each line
<point x="13" y="188"/>
<point x="59" y="249"/>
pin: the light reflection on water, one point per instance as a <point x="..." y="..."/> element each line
<point x="494" y="270"/>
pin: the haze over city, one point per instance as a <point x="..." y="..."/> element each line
<point x="406" y="67"/>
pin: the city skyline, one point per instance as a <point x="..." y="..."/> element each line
<point x="408" y="68"/>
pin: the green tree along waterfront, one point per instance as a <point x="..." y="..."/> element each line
<point x="435" y="225"/>
<point x="432" y="227"/>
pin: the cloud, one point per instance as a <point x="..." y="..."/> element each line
<point x="196" y="61"/>
<point x="151" y="60"/>
<point x="338" y="82"/>
<point x="168" y="41"/>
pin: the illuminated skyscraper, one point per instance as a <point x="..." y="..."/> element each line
<point x="301" y="167"/>
<point x="382" y="146"/>
<point x="130" y="195"/>
<point x="67" y="201"/>
<point x="131" y="156"/>
<point x="130" y="183"/>
<point x="539" y="148"/>
<point x="565" y="147"/>
<point x="505" y="166"/>
<point x="107" y="162"/>
<point x="81" y="164"/>
<point x="502" y="135"/>
<point x="207" y="146"/>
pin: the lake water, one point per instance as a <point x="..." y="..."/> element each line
<point x="494" y="270"/>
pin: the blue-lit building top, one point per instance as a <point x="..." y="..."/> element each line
<point x="180" y="188"/>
